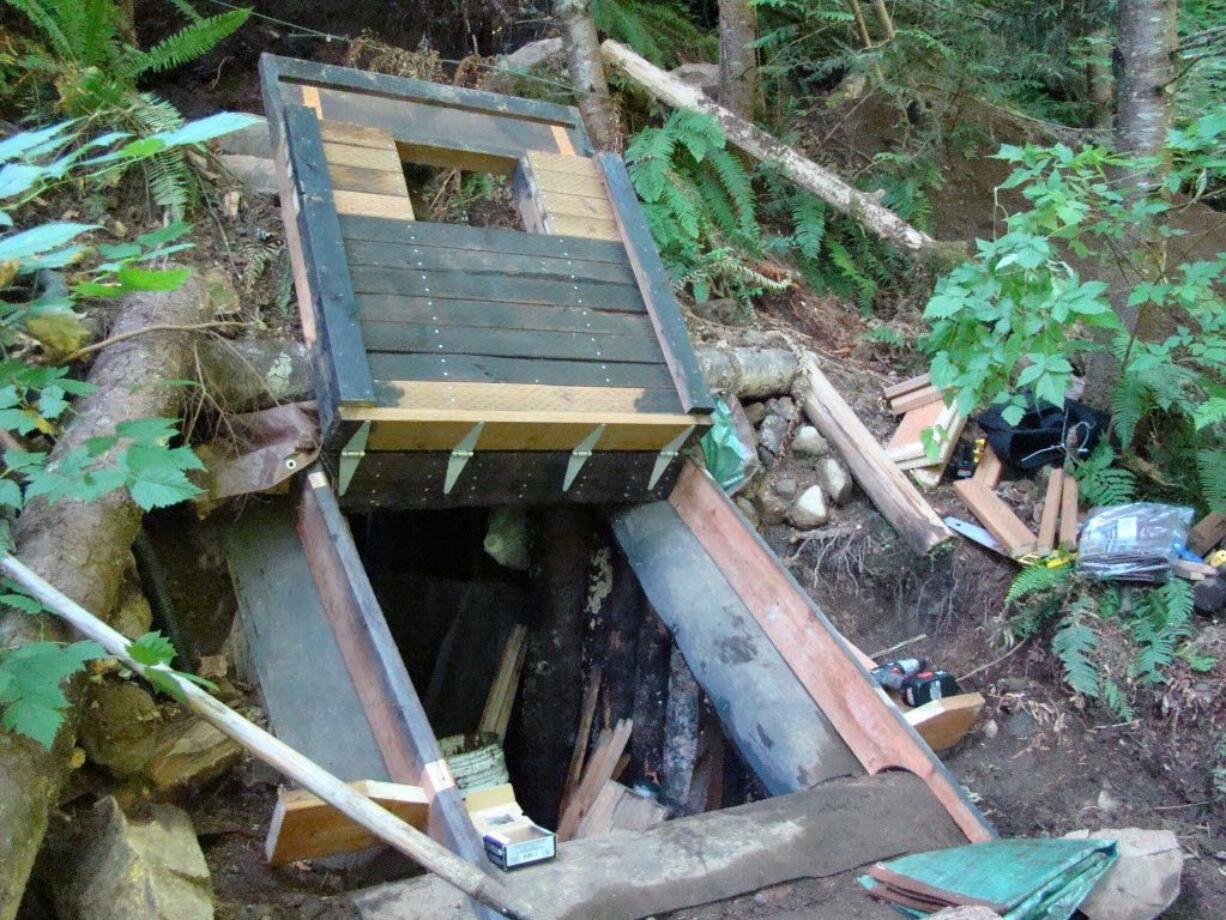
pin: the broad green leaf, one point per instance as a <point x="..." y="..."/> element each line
<point x="150" y="279"/>
<point x="44" y="238"/>
<point x="10" y="493"/>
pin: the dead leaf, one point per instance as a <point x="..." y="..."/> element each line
<point x="8" y="271"/>
<point x="59" y="331"/>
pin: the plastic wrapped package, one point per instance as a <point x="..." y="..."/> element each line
<point x="1135" y="542"/>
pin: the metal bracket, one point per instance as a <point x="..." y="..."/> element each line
<point x="351" y="455"/>
<point x="670" y="451"/>
<point x="460" y="455"/>
<point x="579" y="456"/>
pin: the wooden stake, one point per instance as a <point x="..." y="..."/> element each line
<point x="303" y="771"/>
<point x="1068" y="514"/>
<point x="498" y="705"/>
<point x="1051" y="512"/>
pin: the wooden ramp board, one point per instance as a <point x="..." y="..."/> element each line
<point x="308" y="693"/>
<point x="824" y="832"/>
<point x="828" y="667"/>
<point x="774" y="723"/>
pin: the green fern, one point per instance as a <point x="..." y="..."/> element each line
<point x="1036" y="579"/>
<point x="1099" y="483"/>
<point x="1115" y="698"/>
<point x="657" y="31"/>
<point x="192" y="41"/>
<point x="1074" y="644"/>
<point x="1211" y="470"/>
<point x="1164" y="621"/>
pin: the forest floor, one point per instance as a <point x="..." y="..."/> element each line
<point x="1039" y="763"/>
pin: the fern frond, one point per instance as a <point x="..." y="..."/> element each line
<point x="1074" y="643"/>
<point x="1102" y="484"/>
<point x="1034" y="579"/>
<point x="1211" y="471"/>
<point x="189" y="43"/>
<point x="808" y="224"/>
<point x="1129" y="403"/>
<point x="46" y="18"/>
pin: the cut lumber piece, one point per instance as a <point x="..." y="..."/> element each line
<point x="989" y="470"/>
<point x="1208" y="533"/>
<point x="944" y="722"/>
<point x="1193" y="571"/>
<point x="601" y="768"/>
<point x="897" y="499"/>
<point x="997" y="518"/>
<point x="905" y="443"/>
<point x="618" y="809"/>
<point x="1068" y="514"/>
<point x="762" y="146"/>
<point x="406" y="839"/>
<point x="824" y="662"/>
<point x="498" y="704"/>
<point x="1051" y="512"/>
<point x="906" y="386"/>
<point x="832" y="829"/>
<point x="304" y="826"/>
<point x="586" y="716"/>
<point x="948" y="428"/>
<point x="914" y="400"/>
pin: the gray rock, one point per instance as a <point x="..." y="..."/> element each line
<point x="121" y="732"/>
<point x="809" y="510"/>
<point x="724" y="310"/>
<point x="755" y="412"/>
<point x="772" y="507"/>
<point x="1021" y="725"/>
<point x="808" y="442"/>
<point x="1209" y="595"/>
<point x="785" y="487"/>
<point x="1143" y="883"/>
<point x="701" y="75"/>
<point x="195" y="754"/>
<point x="146" y="868"/>
<point x="772" y="431"/>
<point x="835" y="480"/>
<point x="251" y="141"/>
<point x="783" y="405"/>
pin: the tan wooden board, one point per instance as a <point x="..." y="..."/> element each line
<point x="344" y="132"/>
<point x="600" y="769"/>
<point x="907" y="434"/>
<point x="589" y="227"/>
<point x="1208" y="533"/>
<point x="618" y="809"/>
<point x="560" y="163"/>
<point x="556" y="204"/>
<point x="380" y="158"/>
<point x="569" y="184"/>
<point x="914" y="399"/>
<point x="532" y="431"/>
<point x="989" y="469"/>
<point x="1051" y="512"/>
<point x="372" y="205"/>
<point x="1068" y="514"/>
<point x="376" y="181"/>
<point x="997" y="518"/>
<point x="498" y="704"/>
<point x="306" y="827"/>
<point x="944" y="722"/>
<point x="482" y="399"/>
<point x="906" y="386"/>
<point x="587" y="714"/>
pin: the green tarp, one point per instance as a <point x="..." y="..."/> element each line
<point x="727" y="457"/>
<point x="1019" y="879"/>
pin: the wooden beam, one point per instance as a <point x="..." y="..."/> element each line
<point x="905" y="386"/>
<point x="414" y="399"/>
<point x="600" y="770"/>
<point x="539" y="431"/>
<point x="944" y="722"/>
<point x="1068" y="514"/>
<point x="818" y="655"/>
<point x="655" y="287"/>
<point x="989" y="470"/>
<point x="914" y="400"/>
<point x="1208" y="533"/>
<point x="497" y="714"/>
<point x="997" y="518"/>
<point x="895" y="497"/>
<point x="587" y="714"/>
<point x="1051" y="512"/>
<point x="304" y="826"/>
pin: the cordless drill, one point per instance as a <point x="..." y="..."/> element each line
<point x="915" y="682"/>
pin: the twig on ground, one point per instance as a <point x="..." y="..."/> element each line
<point x="993" y="662"/>
<point x="156" y="327"/>
<point x="898" y="645"/>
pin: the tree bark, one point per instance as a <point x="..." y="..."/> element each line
<point x="738" y="62"/>
<point x="760" y="145"/>
<point x="83" y="549"/>
<point x="883" y="16"/>
<point x="1144" y="92"/>
<point x="587" y="75"/>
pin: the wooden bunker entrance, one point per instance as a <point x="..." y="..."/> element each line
<point x="466" y="367"/>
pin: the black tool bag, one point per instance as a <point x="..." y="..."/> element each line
<point x="1040" y="438"/>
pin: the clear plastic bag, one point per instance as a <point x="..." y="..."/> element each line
<point x="1135" y="542"/>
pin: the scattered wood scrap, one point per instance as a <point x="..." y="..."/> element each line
<point x="1051" y="512"/>
<point x="1068" y="514"/>
<point x="586" y="715"/>
<point x="619" y="809"/>
<point x="997" y="518"/>
<point x="601" y="768"/>
<point x="922" y="407"/>
<point x="1208" y="533"/>
<point x="1192" y="571"/>
<point x="497" y="714"/>
<point x="304" y="826"/>
<point x="944" y="722"/>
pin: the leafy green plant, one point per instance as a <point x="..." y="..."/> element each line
<point x="660" y="32"/>
<point x="83" y="63"/>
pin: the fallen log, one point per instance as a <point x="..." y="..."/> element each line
<point x="896" y="498"/>
<point x="760" y="145"/>
<point x="85" y="547"/>
<point x="303" y="771"/>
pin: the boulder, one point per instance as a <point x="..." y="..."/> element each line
<point x="773" y="430"/>
<point x="195" y="753"/>
<point x="784" y="406"/>
<point x="755" y="412"/>
<point x="835" y="480"/>
<point x="1143" y="883"/>
<point x="808" y="442"/>
<point x="146" y="867"/>
<point x="120" y="731"/>
<point x="701" y="75"/>
<point x="772" y="507"/>
<point x="785" y="487"/>
<point x="809" y="510"/>
<point x="1209" y="595"/>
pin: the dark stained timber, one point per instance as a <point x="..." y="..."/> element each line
<point x="511" y="343"/>
<point x="488" y="314"/>
<point x="472" y="368"/>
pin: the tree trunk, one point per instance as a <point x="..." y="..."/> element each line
<point x="1144" y="92"/>
<point x="738" y="63"/>
<point x="587" y="75"/>
<point x="83" y="548"/>
<point x="651" y="697"/>
<point x="883" y="16"/>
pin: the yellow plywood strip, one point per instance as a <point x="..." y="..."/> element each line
<point x="562" y="139"/>
<point x="310" y="98"/>
<point x="589" y="227"/>
<point x="364" y="157"/>
<point x="371" y="205"/>
<point x="559" y="205"/>
<point x="484" y="398"/>
<point x="586" y="186"/>
<point x="571" y="165"/>
<point x="376" y="181"/>
<point x="439" y="431"/>
<point x="344" y="132"/>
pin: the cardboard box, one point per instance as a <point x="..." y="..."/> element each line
<point x="511" y="838"/>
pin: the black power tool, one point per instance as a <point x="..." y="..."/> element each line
<point x="915" y="681"/>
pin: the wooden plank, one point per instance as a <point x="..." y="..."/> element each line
<point x="820" y="658"/>
<point x="1051" y="512"/>
<point x="906" y="439"/>
<point x="497" y="713"/>
<point x="1192" y="571"/>
<point x="945" y="722"/>
<point x="354" y="135"/>
<point x="567" y="184"/>
<point x="915" y="399"/>
<point x="589" y="227"/>
<point x="609" y="748"/>
<point x="493" y="239"/>
<point x="304" y="826"/>
<point x="562" y="205"/>
<point x="389" y="366"/>
<point x="655" y="288"/>
<point x="441" y="94"/>
<point x="587" y="713"/>
<point x="377" y="159"/>
<point x="488" y="314"/>
<point x="989" y="470"/>
<point x="906" y="386"/>
<point x="1068" y="514"/>
<point x="528" y="431"/>
<point x="391" y="703"/>
<point x="412" y="282"/>
<point x="895" y="497"/>
<point x="511" y="343"/>
<point x="566" y="165"/>
<point x="618" y="809"/>
<point x="373" y="205"/>
<point x="415" y="399"/>
<point x="370" y="181"/>
<point x="1208" y="532"/>
<point x="997" y="518"/>
<point x="330" y="283"/>
<point x="440" y="258"/>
